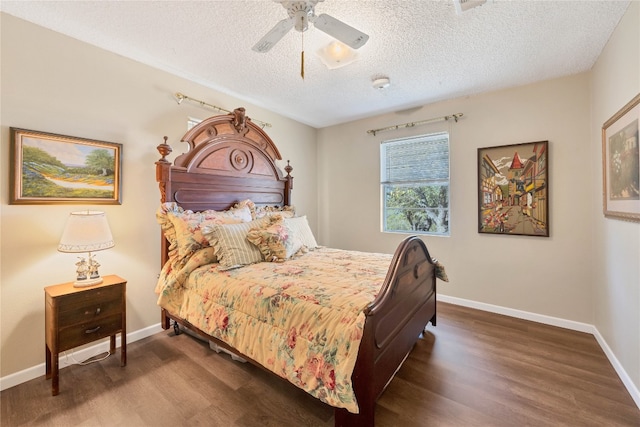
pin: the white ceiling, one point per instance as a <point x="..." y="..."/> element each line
<point x="429" y="52"/>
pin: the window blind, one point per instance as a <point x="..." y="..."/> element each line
<point x="419" y="159"/>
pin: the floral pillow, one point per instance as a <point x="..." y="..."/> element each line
<point x="248" y="203"/>
<point x="169" y="232"/>
<point x="259" y="211"/>
<point x="163" y="219"/>
<point x="283" y="211"/>
<point x="277" y="242"/>
<point x="187" y="226"/>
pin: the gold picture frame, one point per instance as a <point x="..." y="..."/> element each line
<point x="47" y="168"/>
<point x="621" y="163"/>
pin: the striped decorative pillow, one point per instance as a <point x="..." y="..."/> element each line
<point x="230" y="242"/>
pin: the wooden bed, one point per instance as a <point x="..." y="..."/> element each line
<point x="232" y="159"/>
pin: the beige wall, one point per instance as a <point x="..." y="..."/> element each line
<point x="615" y="81"/>
<point x="534" y="274"/>
<point x="53" y="83"/>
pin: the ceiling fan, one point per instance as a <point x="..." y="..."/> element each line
<point x="302" y="12"/>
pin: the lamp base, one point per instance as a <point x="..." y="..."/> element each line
<point x="87" y="282"/>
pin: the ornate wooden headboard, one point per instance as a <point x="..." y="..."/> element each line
<point x="229" y="159"/>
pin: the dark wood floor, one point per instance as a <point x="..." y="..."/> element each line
<point x="473" y="369"/>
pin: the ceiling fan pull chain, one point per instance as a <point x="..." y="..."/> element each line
<point x="302" y="59"/>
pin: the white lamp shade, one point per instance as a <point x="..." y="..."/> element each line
<point x="86" y="231"/>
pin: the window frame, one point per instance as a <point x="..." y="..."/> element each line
<point x="386" y="181"/>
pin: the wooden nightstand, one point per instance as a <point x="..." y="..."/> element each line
<point x="77" y="316"/>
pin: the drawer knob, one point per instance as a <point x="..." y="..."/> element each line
<point x="90" y="331"/>
<point x="97" y="311"/>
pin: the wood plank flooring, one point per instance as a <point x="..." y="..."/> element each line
<point x="473" y="369"/>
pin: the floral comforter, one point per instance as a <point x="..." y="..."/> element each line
<point x="302" y="319"/>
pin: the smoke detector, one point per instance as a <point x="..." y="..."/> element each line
<point x="381" y="82"/>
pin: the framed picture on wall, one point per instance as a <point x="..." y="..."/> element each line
<point x="513" y="189"/>
<point x="47" y="168"/>
<point x="621" y="163"/>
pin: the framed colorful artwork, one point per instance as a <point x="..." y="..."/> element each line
<point x="513" y="189"/>
<point x="47" y="168"/>
<point x="621" y="163"/>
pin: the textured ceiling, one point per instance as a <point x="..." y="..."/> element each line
<point x="429" y="52"/>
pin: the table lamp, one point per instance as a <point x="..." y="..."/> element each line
<point x="86" y="231"/>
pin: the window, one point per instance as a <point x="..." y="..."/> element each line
<point x="191" y="122"/>
<point x="414" y="181"/>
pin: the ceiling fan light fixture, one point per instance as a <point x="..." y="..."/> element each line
<point x="336" y="54"/>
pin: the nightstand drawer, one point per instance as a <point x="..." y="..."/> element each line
<point x="86" y="332"/>
<point x="90" y="306"/>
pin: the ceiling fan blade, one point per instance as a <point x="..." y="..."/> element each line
<point x="341" y="31"/>
<point x="274" y="35"/>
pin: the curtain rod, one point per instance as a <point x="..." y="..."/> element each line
<point x="181" y="97"/>
<point x="412" y="124"/>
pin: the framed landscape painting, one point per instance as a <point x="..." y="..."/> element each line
<point x="621" y="163"/>
<point x="513" y="189"/>
<point x="47" y="168"/>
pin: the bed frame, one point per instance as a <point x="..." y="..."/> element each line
<point x="231" y="159"/>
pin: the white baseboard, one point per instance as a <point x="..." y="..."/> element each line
<point x="554" y="321"/>
<point x="519" y="314"/>
<point x="83" y="354"/>
<point x="624" y="377"/>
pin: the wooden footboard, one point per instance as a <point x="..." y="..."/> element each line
<point x="395" y="320"/>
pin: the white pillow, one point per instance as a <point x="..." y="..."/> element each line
<point x="299" y="226"/>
